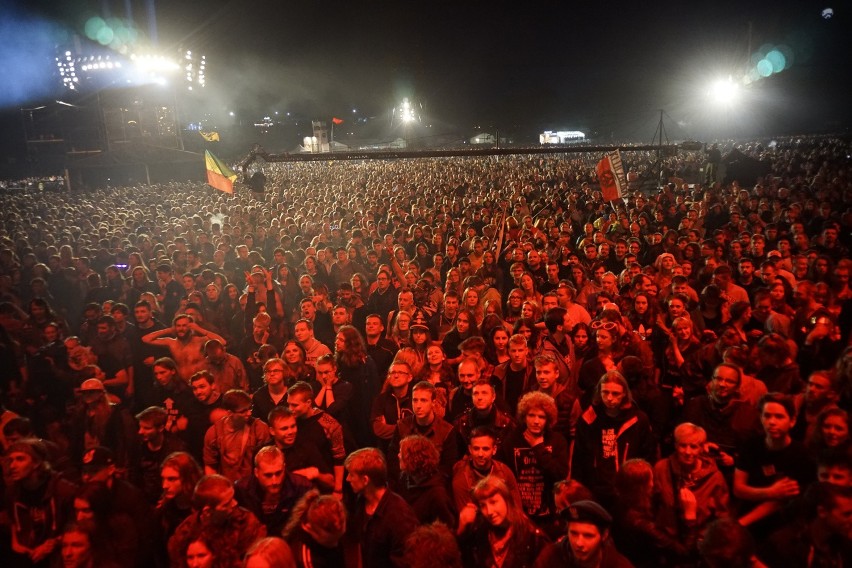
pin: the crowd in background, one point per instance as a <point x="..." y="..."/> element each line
<point x="451" y="361"/>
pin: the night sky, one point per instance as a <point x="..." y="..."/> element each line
<point x="605" y="68"/>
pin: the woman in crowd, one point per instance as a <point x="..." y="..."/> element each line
<point x="831" y="431"/>
<point x="438" y="372"/>
<point x="315" y="529"/>
<point x="712" y="310"/>
<point x="643" y="316"/>
<point x="640" y="538"/>
<point x="269" y="552"/>
<point x="494" y="531"/>
<point x="603" y="357"/>
<point x="528" y="289"/>
<point x="465" y="326"/>
<point x="598" y="455"/>
<point x="671" y="362"/>
<point x="527" y="328"/>
<point x="360" y="289"/>
<point x="470" y="301"/>
<point x="94" y="503"/>
<point x="421" y="484"/>
<point x="514" y="304"/>
<point x="497" y="345"/>
<point x="358" y="368"/>
<point x="140" y="282"/>
<point x="296" y="368"/>
<point x="490" y="273"/>
<point x="287" y="287"/>
<point x="400" y="329"/>
<point x="179" y="473"/>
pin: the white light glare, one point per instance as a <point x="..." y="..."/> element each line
<point x="724" y="91"/>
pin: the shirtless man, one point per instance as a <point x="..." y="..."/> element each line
<point x="187" y="347"/>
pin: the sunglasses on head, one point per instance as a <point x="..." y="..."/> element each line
<point x="609" y="326"/>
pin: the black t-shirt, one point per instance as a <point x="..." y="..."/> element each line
<point x="764" y="466"/>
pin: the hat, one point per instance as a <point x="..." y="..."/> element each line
<point x="587" y="512"/>
<point x="773" y="254"/>
<point x="33" y="447"/>
<point x="92" y="385"/>
<point x="419" y="321"/>
<point x="164" y="267"/>
<point x="463" y="259"/>
<point x="96" y="459"/>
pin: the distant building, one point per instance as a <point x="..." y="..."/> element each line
<point x="561" y="137"/>
<point x="483" y="138"/>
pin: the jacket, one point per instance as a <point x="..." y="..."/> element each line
<point x="536" y="469"/>
<point x="603" y="443"/>
<point x="249" y="495"/>
<point x="381" y="536"/>
<point x="429" y="499"/>
<point x="523" y="548"/>
<point x="560" y="555"/>
<point x="707" y="484"/>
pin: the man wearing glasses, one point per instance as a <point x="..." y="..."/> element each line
<point x="230" y="444"/>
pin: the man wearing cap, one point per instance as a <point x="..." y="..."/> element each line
<point x="102" y="423"/>
<point x="37" y="500"/>
<point x="587" y="542"/>
<point x="100" y="466"/>
<point x="231" y="442"/>
<point x="227" y="370"/>
<point x="186" y="347"/>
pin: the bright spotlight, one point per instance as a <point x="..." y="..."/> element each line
<point x="724" y="92"/>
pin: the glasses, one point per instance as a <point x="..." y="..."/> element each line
<point x="609" y="326"/>
<point x="244" y="410"/>
<point x="398" y="374"/>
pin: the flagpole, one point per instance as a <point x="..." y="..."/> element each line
<point x="331" y="142"/>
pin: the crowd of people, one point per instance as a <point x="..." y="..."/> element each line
<point x="433" y="362"/>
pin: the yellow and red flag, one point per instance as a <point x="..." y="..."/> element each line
<point x="611" y="176"/>
<point x="219" y="176"/>
<point x="211" y="136"/>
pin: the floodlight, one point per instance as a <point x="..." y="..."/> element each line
<point x="724" y="92"/>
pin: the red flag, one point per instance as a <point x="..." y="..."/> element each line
<point x="337" y="120"/>
<point x="608" y="176"/>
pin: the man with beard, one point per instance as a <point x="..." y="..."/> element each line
<point x="479" y="463"/>
<point x="102" y="423"/>
<point x="727" y="420"/>
<point x="821" y="393"/>
<point x="230" y="443"/>
<point x="144" y="355"/>
<point x="186" y="345"/>
<point x="37" y="502"/>
<point x="114" y="358"/>
<point x="154" y="444"/>
<point x="218" y="518"/>
<point x="227" y="370"/>
<point x="271" y="491"/>
<point x="424" y="422"/>
<point x="382" y="300"/>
